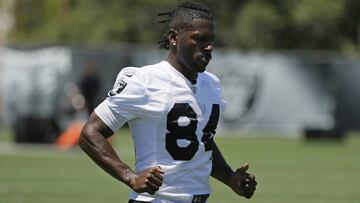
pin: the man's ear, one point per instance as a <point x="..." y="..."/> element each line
<point x="172" y="36"/>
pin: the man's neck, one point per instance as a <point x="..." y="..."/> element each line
<point x="188" y="74"/>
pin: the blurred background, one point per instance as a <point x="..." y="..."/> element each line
<point x="290" y="73"/>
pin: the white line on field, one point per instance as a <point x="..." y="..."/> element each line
<point x="46" y="151"/>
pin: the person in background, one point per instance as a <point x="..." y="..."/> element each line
<point x="89" y="86"/>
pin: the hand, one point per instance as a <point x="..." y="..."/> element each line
<point x="243" y="183"/>
<point x="148" y="180"/>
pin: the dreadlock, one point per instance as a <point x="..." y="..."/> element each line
<point x="181" y="17"/>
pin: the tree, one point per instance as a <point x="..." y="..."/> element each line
<point x="245" y="24"/>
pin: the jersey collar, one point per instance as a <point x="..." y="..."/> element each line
<point x="174" y="70"/>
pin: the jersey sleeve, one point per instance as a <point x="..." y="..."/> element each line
<point x="221" y="98"/>
<point x="216" y="84"/>
<point x="113" y="120"/>
<point x="125" y="101"/>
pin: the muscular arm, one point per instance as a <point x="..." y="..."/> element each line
<point x="220" y="169"/>
<point x="93" y="142"/>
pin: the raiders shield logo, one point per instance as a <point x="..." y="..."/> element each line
<point x="119" y="88"/>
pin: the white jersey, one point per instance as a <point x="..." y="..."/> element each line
<point x="172" y="123"/>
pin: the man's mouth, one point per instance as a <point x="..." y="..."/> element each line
<point x="206" y="58"/>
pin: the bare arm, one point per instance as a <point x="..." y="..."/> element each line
<point x="220" y="169"/>
<point x="241" y="182"/>
<point x="93" y="142"/>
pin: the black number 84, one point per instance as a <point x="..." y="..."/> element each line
<point x="186" y="131"/>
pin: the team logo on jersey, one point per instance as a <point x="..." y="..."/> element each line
<point x="119" y="88"/>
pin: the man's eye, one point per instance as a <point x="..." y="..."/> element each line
<point x="204" y="39"/>
<point x="199" y="38"/>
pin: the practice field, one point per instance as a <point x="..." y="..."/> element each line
<point x="288" y="171"/>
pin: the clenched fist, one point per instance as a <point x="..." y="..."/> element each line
<point x="243" y="183"/>
<point x="148" y="180"/>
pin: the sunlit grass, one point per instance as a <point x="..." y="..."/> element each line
<point x="287" y="170"/>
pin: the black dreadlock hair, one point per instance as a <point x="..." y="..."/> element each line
<point x="181" y="17"/>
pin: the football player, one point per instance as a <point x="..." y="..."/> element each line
<point x="172" y="109"/>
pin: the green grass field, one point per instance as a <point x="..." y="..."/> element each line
<point x="287" y="170"/>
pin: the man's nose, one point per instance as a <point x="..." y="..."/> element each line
<point x="209" y="47"/>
